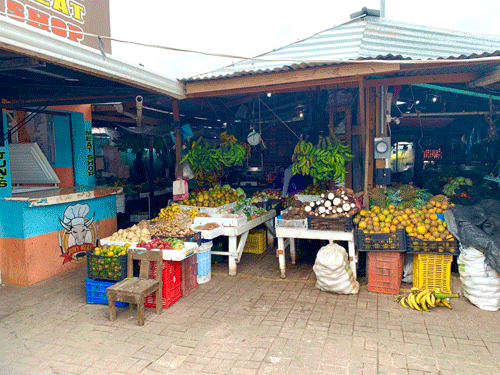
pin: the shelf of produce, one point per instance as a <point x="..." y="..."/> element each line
<point x="286" y="236"/>
<point x="105" y="241"/>
<point x="177" y="255"/>
<point x="236" y="244"/>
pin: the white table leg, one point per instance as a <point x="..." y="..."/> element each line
<point x="233" y="255"/>
<point x="281" y="255"/>
<point x="352" y="258"/>
<point x="292" y="249"/>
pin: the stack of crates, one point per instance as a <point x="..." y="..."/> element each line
<point x="256" y="241"/>
<point x="171" y="290"/>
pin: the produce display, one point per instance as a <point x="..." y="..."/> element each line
<point x="261" y="196"/>
<point x="337" y="203"/>
<point x="405" y="196"/>
<point x="453" y="185"/>
<point x="171" y="212"/>
<point x="317" y="188"/>
<point x="247" y="209"/>
<point x="162" y="244"/>
<point x="422" y="223"/>
<point x="105" y="263"/>
<point x="296" y="211"/>
<point x="214" y="197"/>
<point x="208" y="163"/>
<point x="425" y="299"/>
<point x="136" y="233"/>
<point x="325" y="161"/>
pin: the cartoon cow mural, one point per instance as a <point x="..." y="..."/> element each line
<point x="80" y="234"/>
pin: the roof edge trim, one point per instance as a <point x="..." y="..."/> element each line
<point x="38" y="44"/>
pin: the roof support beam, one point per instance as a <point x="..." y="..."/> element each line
<point x="430" y="78"/>
<point x="263" y="82"/>
<point x="491" y="77"/>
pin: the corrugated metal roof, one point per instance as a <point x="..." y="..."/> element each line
<point x="371" y="38"/>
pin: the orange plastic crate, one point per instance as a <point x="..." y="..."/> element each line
<point x="385" y="271"/>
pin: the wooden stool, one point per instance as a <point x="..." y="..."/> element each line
<point x="135" y="289"/>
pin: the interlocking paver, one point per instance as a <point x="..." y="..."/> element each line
<point x="254" y="323"/>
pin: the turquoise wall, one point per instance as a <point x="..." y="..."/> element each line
<point x="24" y="221"/>
<point x="83" y="151"/>
<point x="64" y="157"/>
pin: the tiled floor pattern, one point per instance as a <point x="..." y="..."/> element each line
<point x="254" y="323"/>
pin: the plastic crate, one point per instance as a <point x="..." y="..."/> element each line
<point x="204" y="266"/>
<point x="96" y="292"/>
<point x="432" y="271"/>
<point x="256" y="241"/>
<point x="417" y="246"/>
<point x="193" y="238"/>
<point x="106" y="268"/>
<point x="343" y="224"/>
<point x="189" y="275"/>
<point x="385" y="271"/>
<point x="381" y="241"/>
<point x="171" y="290"/>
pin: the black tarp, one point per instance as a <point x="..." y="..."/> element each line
<point x="478" y="226"/>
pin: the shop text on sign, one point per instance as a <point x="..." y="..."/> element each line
<point x="90" y="150"/>
<point x="37" y="17"/>
<point x="3" y="169"/>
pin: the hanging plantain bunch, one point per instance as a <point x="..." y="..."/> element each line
<point x="208" y="163"/>
<point x="325" y="161"/>
<point x="128" y="141"/>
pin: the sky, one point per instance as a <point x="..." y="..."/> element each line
<point x="251" y="28"/>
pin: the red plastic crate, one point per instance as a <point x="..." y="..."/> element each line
<point x="171" y="291"/>
<point x="385" y="271"/>
<point x="189" y="276"/>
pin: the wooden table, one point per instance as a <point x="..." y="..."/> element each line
<point x="236" y="247"/>
<point x="287" y="236"/>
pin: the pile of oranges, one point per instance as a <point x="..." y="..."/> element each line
<point x="422" y="223"/>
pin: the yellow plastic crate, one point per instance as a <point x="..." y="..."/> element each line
<point x="432" y="271"/>
<point x="256" y="241"/>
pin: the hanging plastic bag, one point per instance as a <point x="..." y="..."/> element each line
<point x="333" y="273"/>
<point x="480" y="282"/>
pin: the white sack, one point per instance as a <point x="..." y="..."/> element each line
<point x="333" y="273"/>
<point x="408" y="269"/>
<point x="480" y="282"/>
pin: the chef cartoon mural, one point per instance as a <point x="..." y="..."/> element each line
<point x="80" y="234"/>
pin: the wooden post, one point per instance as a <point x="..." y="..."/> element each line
<point x="178" y="138"/>
<point x="364" y="127"/>
<point x="151" y="177"/>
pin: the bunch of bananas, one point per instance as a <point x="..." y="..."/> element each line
<point x="325" y="161"/>
<point x="167" y="213"/>
<point x="208" y="163"/>
<point x="425" y="299"/>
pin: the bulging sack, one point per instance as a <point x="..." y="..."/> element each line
<point x="480" y="282"/>
<point x="333" y="273"/>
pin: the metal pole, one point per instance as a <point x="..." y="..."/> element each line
<point x="382" y="8"/>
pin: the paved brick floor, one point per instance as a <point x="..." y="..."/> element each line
<point x="254" y="323"/>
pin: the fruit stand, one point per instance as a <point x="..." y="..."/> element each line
<point x="236" y="245"/>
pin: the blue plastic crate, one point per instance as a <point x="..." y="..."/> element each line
<point x="204" y="266"/>
<point x="96" y="292"/>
